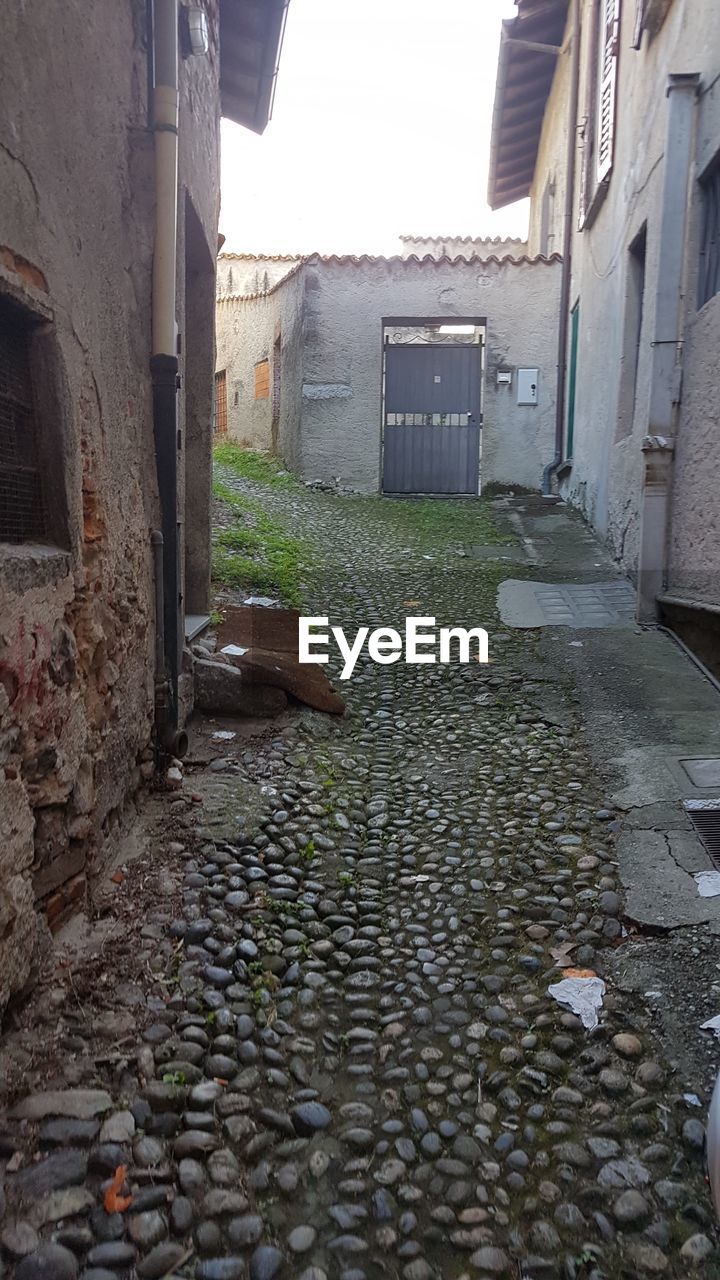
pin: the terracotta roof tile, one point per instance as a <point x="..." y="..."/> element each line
<point x="366" y="259"/>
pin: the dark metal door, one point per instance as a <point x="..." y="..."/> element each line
<point x="431" y="435"/>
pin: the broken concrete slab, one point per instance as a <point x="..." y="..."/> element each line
<point x="222" y="688"/>
<point x="656" y="869"/>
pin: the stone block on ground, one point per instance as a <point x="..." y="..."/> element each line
<point x="223" y="689"/>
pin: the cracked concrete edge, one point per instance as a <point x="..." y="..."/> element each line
<point x="656" y="871"/>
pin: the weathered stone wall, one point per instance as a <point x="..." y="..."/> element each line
<point x="606" y="478"/>
<point x="343" y="306"/>
<point x="76" y="616"/>
<point x="255" y="329"/>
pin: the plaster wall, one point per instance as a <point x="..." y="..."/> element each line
<point x="344" y="303"/>
<point x="76" y="615"/>
<point x="247" y="332"/>
<point x="606" y="478"/>
<point x="245" y="274"/>
<point x="462" y="246"/>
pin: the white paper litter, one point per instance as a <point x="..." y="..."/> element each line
<point x="264" y="601"/>
<point x="583" y="995"/>
<point x="224" y="735"/>
<point x="712" y="1024"/>
<point x="234" y="650"/>
<point x="708" y="883"/>
<point x="692" y="1100"/>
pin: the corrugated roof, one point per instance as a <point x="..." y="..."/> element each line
<point x="251" y="33"/>
<point x="524" y="78"/>
<point x="366" y="259"/>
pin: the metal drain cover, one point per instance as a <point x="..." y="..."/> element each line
<point x="524" y="603"/>
<point x="705" y="817"/>
<point x="703" y="771"/>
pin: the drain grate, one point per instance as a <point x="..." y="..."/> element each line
<point x="705" y="817"/>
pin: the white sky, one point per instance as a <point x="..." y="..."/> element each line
<point x="381" y="126"/>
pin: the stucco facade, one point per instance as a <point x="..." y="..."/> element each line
<point x="328" y="316"/>
<point x="618" y="346"/>
<point x="76" y="606"/>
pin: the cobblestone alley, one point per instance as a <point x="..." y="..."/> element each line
<point x="332" y="1053"/>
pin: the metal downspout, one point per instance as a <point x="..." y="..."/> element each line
<point x="164" y="358"/>
<point x="565" y="280"/>
<point x="666" y="359"/>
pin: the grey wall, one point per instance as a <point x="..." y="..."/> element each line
<point x="76" y="616"/>
<point x="343" y="306"/>
<point x="606" y="478"/>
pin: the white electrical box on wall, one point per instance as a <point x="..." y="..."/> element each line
<point x="527" y="386"/>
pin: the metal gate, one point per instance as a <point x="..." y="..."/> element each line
<point x="431" y="430"/>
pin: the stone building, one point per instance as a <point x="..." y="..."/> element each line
<point x="607" y="115"/>
<point x="108" y="240"/>
<point x="335" y="364"/>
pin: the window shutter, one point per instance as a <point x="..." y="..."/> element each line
<point x="609" y="40"/>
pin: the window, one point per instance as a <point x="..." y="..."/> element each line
<point x="607" y="83"/>
<point x="220" y="424"/>
<point x="262" y="380"/>
<point x="709" y="279"/>
<point x="22" y="510"/>
<point x="598" y="134"/>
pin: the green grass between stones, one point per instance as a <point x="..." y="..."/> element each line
<point x="254" y="552"/>
<point x="259" y="467"/>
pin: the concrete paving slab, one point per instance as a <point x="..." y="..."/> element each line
<point x="526" y="604"/>
<point x="703" y="772"/>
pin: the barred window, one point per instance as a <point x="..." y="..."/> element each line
<point x="220" y="403"/>
<point x="709" y="281"/>
<point x="22" y="511"/>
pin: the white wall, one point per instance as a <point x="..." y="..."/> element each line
<point x="606" y="478"/>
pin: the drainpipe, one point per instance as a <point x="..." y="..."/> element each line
<point x="164" y="359"/>
<point x="565" y="280"/>
<point x="666" y="347"/>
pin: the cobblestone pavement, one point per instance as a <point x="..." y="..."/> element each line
<point x="359" y="1073"/>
